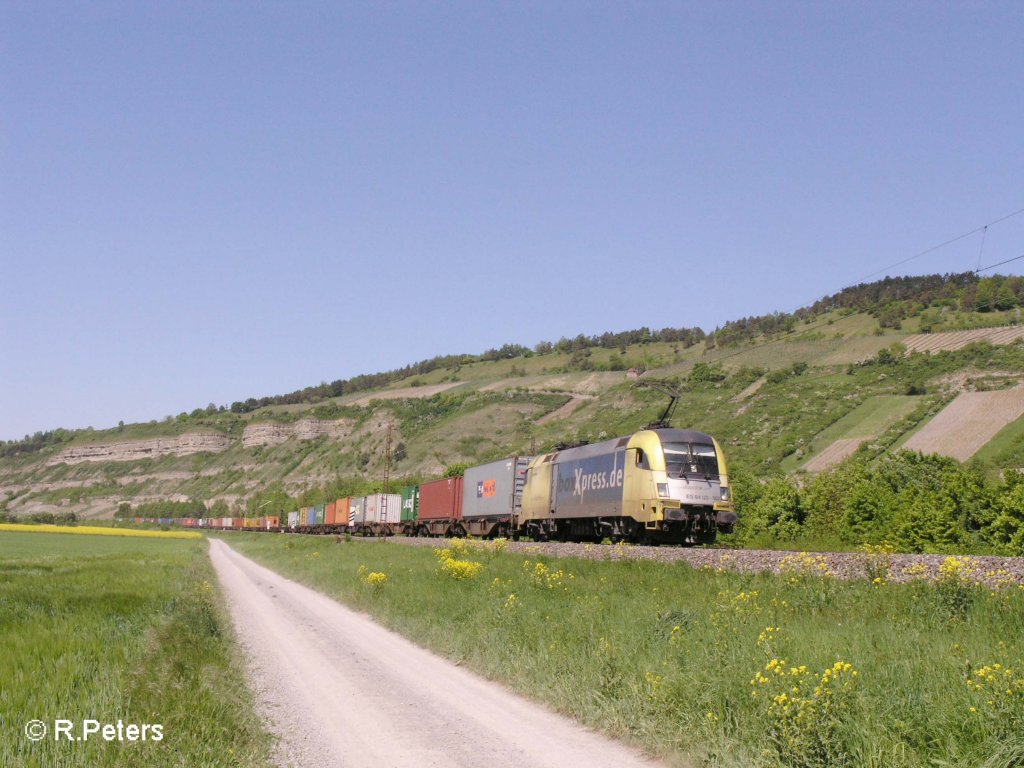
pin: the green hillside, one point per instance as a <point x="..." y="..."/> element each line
<point x="775" y="390"/>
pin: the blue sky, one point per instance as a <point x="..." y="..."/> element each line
<point x="203" y="202"/>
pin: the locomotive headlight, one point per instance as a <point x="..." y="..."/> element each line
<point x="725" y="493"/>
<point x="663" y="490"/>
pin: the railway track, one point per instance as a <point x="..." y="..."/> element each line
<point x="990" y="570"/>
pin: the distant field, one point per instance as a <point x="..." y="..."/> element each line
<point x="398" y="394"/>
<point x="966" y="424"/>
<point x="563" y="412"/>
<point x="870" y="419"/>
<point x="834" y="454"/>
<point x="87" y="530"/>
<point x="1007" y="447"/>
<point x="114" y="628"/>
<point x="953" y="340"/>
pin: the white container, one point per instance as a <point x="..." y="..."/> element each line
<point x="383" y="508"/>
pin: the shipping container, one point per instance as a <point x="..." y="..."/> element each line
<point x="310" y="516"/>
<point x="410" y="502"/>
<point x="358" y="507"/>
<point x="272" y="521"/>
<point x="329" y="514"/>
<point x="441" y="500"/>
<point x="320" y="514"/>
<point x="237" y="522"/>
<point x="293" y="519"/>
<point x="342" y="511"/>
<point x="383" y="508"/>
<point x="495" y="489"/>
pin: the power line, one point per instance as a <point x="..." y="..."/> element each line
<point x="983" y="229"/>
<point x="993" y="266"/>
<point x="981" y="248"/>
<point x="786" y="339"/>
<point x="925" y="252"/>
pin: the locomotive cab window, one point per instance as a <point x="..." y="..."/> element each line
<point x="641" y="459"/>
<point x="691" y="460"/>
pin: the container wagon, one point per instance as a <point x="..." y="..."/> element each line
<point x="343" y="512"/>
<point x="440" y="510"/>
<point x="491" y="498"/>
<point x="410" y="504"/>
<point x="379" y="515"/>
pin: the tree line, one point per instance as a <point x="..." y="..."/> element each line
<point x="913" y="501"/>
<point x="685" y="336"/>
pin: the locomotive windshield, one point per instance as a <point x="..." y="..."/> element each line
<point x="691" y="460"/>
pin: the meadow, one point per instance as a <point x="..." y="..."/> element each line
<point x="706" y="667"/>
<point x="115" y="628"/>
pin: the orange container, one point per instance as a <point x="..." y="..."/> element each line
<point x="341" y="511"/>
<point x="329" y="513"/>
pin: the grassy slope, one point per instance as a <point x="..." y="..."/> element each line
<point x="664" y="656"/>
<point x="492" y="412"/>
<point x="1006" y="449"/>
<point x="115" y="628"/>
<point x="872" y="418"/>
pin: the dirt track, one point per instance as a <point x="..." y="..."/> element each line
<point x="342" y="691"/>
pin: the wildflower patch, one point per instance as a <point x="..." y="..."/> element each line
<point x="375" y="579"/>
<point x="999" y="696"/>
<point x="451" y="566"/>
<point x="804" y="712"/>
<point x="543" y="577"/>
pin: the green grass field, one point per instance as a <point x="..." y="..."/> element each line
<point x="110" y="628"/>
<point x="670" y="658"/>
<point x="1007" y="447"/>
<point x="868" y="420"/>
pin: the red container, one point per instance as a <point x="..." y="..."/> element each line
<point x="238" y="522"/>
<point x="329" y="513"/>
<point x="441" y="499"/>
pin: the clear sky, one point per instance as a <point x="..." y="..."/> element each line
<point x="208" y="201"/>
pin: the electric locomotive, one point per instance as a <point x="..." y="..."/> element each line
<point x="655" y="486"/>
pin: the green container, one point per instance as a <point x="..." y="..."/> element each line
<point x="411" y="502"/>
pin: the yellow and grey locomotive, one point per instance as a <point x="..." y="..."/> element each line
<point x="657" y="485"/>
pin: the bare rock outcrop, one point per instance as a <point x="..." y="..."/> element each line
<point x="271" y="433"/>
<point x="134" y="450"/>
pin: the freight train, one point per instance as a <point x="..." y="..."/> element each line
<point x="654" y="486"/>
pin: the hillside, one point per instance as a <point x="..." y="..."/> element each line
<point x="793" y="393"/>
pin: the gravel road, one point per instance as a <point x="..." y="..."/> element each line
<point x="341" y="691"/>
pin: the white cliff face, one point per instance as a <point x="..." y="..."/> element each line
<point x="305" y="429"/>
<point x="199" y="442"/>
<point x="135" y="450"/>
